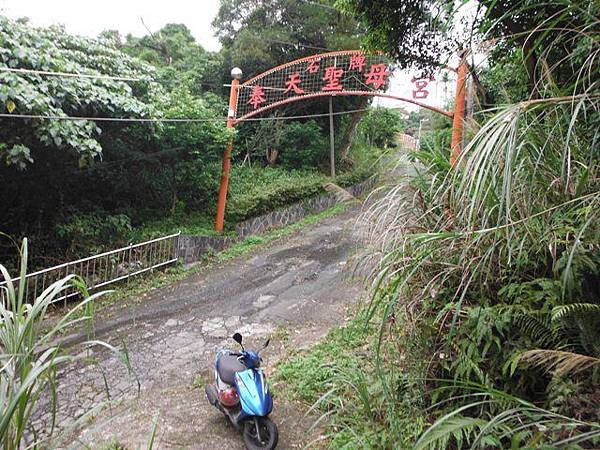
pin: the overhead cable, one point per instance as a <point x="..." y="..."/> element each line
<point x="70" y="74"/>
<point x="174" y="120"/>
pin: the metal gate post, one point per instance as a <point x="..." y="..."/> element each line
<point x="459" y="110"/>
<point x="176" y="246"/>
<point x="236" y="74"/>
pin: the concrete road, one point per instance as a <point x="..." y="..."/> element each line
<point x="295" y="287"/>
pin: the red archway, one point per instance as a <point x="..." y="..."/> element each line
<point x="342" y="73"/>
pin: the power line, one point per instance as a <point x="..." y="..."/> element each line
<point x="107" y="119"/>
<point x="175" y="120"/>
<point x="70" y="74"/>
<point x="118" y="78"/>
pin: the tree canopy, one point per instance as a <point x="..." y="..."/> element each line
<point x="51" y="49"/>
<point x="69" y="185"/>
<point x="416" y="33"/>
<point x="259" y="35"/>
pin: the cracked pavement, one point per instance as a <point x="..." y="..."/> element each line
<point x="295" y="286"/>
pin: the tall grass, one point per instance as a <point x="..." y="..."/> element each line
<point x="475" y="260"/>
<point x="30" y="358"/>
<point x="518" y="422"/>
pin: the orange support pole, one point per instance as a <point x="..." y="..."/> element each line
<point x="233" y="95"/>
<point x="459" y="110"/>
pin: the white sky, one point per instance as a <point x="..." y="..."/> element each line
<point x="88" y="18"/>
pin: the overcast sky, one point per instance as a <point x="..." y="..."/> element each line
<point x="89" y="18"/>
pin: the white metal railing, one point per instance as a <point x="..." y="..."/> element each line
<point x="103" y="269"/>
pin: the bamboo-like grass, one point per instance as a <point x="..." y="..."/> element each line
<point x="522" y="202"/>
<point x="30" y="358"/>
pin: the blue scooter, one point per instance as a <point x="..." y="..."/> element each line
<point x="241" y="393"/>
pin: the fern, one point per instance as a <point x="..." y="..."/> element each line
<point x="519" y="421"/>
<point x="538" y="329"/>
<point x="559" y="313"/>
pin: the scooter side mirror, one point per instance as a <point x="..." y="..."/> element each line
<point x="265" y="345"/>
<point x="237" y="337"/>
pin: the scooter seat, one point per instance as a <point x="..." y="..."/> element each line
<point x="227" y="366"/>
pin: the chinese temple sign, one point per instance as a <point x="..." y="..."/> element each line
<point x="325" y="74"/>
<point x="420" y="91"/>
<point x="293" y="84"/>
<point x="357" y="62"/>
<point x="332" y="77"/>
<point x="347" y="72"/>
<point x="377" y="76"/>
<point x="257" y="97"/>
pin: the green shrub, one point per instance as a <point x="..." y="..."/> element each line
<point x="92" y="232"/>
<point x="379" y="125"/>
<point x="303" y="145"/>
<point x="197" y="185"/>
<point x="254" y="191"/>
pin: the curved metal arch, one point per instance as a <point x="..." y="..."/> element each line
<point x="341" y="94"/>
<point x="264" y="76"/>
<point x="236" y="88"/>
<point x="250" y="81"/>
<point x="298" y="61"/>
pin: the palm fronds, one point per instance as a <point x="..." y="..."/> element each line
<point x="560" y="363"/>
<point x="520" y="207"/>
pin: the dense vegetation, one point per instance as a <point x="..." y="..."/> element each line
<point x="483" y="326"/>
<point x="31" y="358"/>
<point x="75" y="187"/>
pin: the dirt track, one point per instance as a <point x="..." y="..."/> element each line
<point x="294" y="287"/>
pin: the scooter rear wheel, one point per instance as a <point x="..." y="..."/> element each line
<point x="267" y="440"/>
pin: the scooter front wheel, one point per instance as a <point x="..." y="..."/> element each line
<point x="260" y="433"/>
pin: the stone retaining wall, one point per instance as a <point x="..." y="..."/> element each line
<point x="282" y="217"/>
<point x="191" y="248"/>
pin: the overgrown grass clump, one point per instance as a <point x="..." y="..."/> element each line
<point x="485" y="277"/>
<point x="338" y="380"/>
<point x="257" y="190"/>
<point x="30" y="358"/>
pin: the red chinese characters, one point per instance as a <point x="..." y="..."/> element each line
<point x="292" y="84"/>
<point x="421" y="84"/>
<point x="357" y="62"/>
<point x="313" y="66"/>
<point x="332" y="76"/>
<point x="377" y="76"/>
<point x="257" y="97"/>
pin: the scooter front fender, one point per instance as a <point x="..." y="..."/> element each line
<point x="255" y="397"/>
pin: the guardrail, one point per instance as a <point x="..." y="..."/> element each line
<point x="103" y="269"/>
